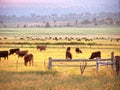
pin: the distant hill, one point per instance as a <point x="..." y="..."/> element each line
<point x="65" y="20"/>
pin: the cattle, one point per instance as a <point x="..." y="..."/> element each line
<point x="28" y="58"/>
<point x="12" y="51"/>
<point x="22" y="53"/>
<point x="78" y="50"/>
<point x="3" y="54"/>
<point x="41" y="47"/>
<point x="68" y="54"/>
<point x="95" y="55"/>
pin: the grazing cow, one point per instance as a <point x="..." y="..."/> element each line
<point x="95" y="55"/>
<point x="41" y="47"/>
<point x="28" y="58"/>
<point x="68" y="54"/>
<point x="78" y="50"/>
<point x="4" y="54"/>
<point x="22" y="53"/>
<point x="12" y="51"/>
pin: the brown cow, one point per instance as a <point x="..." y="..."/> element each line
<point x="12" y="51"/>
<point x="22" y="53"/>
<point x="41" y="47"/>
<point x="3" y="54"/>
<point x="68" y="54"/>
<point x="28" y="58"/>
<point x="78" y="50"/>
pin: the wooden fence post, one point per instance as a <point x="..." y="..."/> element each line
<point x="30" y="45"/>
<point x="97" y="64"/>
<point x="17" y="64"/>
<point x="112" y="60"/>
<point x="50" y="63"/>
<point x="117" y="63"/>
<point x="21" y="45"/>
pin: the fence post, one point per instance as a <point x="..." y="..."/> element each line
<point x="97" y="64"/>
<point x="112" y="60"/>
<point x="117" y="63"/>
<point x="30" y="46"/>
<point x="50" y="63"/>
<point x="21" y="45"/>
<point x="17" y="64"/>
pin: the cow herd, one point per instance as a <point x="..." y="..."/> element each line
<point x="21" y="53"/>
<point x="78" y="51"/>
<point x="29" y="57"/>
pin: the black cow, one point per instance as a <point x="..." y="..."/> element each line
<point x="22" y="53"/>
<point x="28" y="58"/>
<point x="12" y="51"/>
<point x="95" y="55"/>
<point x="4" y="54"/>
<point x="78" y="50"/>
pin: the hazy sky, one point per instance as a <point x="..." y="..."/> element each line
<point x="44" y="7"/>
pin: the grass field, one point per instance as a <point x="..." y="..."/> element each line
<point x="38" y="77"/>
<point x="58" y="31"/>
<point x="46" y="80"/>
<point x="41" y="59"/>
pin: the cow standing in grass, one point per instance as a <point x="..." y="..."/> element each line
<point x="22" y="53"/>
<point x="12" y="51"/>
<point x="78" y="50"/>
<point x="41" y="47"/>
<point x="95" y="55"/>
<point x="3" y="54"/>
<point x="28" y="58"/>
<point x="68" y="54"/>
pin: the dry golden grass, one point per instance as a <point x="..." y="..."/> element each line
<point x="44" y="80"/>
<point x="41" y="58"/>
<point x="38" y="77"/>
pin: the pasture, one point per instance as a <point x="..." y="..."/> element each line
<point x="38" y="77"/>
<point x="41" y="58"/>
<point x="60" y="78"/>
<point x="38" y="32"/>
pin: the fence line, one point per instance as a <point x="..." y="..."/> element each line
<point x="58" y="46"/>
<point x="21" y="64"/>
<point x="99" y="62"/>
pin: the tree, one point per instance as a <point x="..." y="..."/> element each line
<point x="54" y="21"/>
<point x="17" y="26"/>
<point x="68" y="24"/>
<point x="38" y="26"/>
<point x="5" y="26"/>
<point x="25" y="26"/>
<point x="47" y="25"/>
<point x="94" y="20"/>
<point x="86" y="21"/>
<point x="1" y="22"/>
<point x="33" y="15"/>
<point x="76" y="22"/>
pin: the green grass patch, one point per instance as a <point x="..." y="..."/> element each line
<point x="58" y="31"/>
